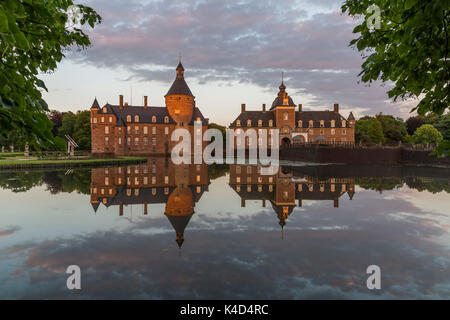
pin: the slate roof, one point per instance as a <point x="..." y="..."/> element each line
<point x="179" y="86"/>
<point x="145" y="115"/>
<point x="254" y="116"/>
<point x="279" y="102"/>
<point x="351" y="116"/>
<point x="305" y="116"/>
<point x="316" y="116"/>
<point x="95" y="104"/>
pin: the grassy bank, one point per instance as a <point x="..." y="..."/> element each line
<point x="17" y="162"/>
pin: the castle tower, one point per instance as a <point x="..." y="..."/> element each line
<point x="179" y="99"/>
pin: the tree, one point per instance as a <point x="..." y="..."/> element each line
<point x="33" y="37"/>
<point x="443" y="125"/>
<point x="67" y="124"/>
<point x="369" y="130"/>
<point x="82" y="130"/>
<point x="56" y="118"/>
<point x="413" y="123"/>
<point x="407" y="44"/>
<point x="427" y="134"/>
<point x="394" y="129"/>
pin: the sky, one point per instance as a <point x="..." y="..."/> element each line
<point x="233" y="51"/>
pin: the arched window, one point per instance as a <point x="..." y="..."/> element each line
<point x="322" y="123"/>
<point x="238" y="123"/>
<point x="249" y="123"/>
<point x="136" y="118"/>
<point x="154" y="119"/>
<point x="300" y="123"/>
<point x="333" y="123"/>
<point x="105" y="110"/>
<point x="285" y="116"/>
<point x="166" y="119"/>
<point x="311" y="123"/>
<point x="128" y="118"/>
<point x="259" y="123"/>
<point x="270" y="123"/>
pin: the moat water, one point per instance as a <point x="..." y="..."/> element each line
<point x="159" y="231"/>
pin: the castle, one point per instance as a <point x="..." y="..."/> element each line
<point x="324" y="127"/>
<point x="145" y="130"/>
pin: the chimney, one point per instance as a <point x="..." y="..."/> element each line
<point x="300" y="107"/>
<point x="336" y="107"/>
<point x="121" y="101"/>
<point x="264" y="107"/>
<point x="243" y="107"/>
<point x="145" y="102"/>
<point x="126" y="104"/>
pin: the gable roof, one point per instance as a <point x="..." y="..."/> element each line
<point x="254" y="116"/>
<point x="316" y="116"/>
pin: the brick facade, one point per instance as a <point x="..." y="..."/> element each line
<point x="325" y="127"/>
<point x="145" y="130"/>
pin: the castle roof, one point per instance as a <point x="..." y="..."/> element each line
<point x="95" y="104"/>
<point x="351" y="116"/>
<point x="146" y="114"/>
<point x="179" y="86"/>
<point x="254" y="116"/>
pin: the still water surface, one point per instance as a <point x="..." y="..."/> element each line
<point x="160" y="231"/>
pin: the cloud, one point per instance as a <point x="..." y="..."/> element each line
<point x="239" y="42"/>
<point x="9" y="231"/>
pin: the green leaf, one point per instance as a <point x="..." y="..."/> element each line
<point x="3" y="21"/>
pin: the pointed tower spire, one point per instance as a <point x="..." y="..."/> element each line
<point x="95" y="104"/>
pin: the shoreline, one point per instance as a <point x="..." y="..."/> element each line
<point x="69" y="163"/>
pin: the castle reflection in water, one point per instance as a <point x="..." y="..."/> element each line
<point x="180" y="187"/>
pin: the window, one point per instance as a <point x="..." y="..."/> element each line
<point x="120" y="141"/>
<point x="238" y="169"/>
<point x="270" y="123"/>
<point x="94" y="120"/>
<point x="145" y="130"/>
<point x="300" y="123"/>
<point x="153" y="180"/>
<point x="238" y="179"/>
<point x="343" y="187"/>
<point x="110" y="119"/>
<point x="332" y="188"/>
<point x="136" y="118"/>
<point x="259" y="123"/>
<point x="238" y="123"/>
<point x="128" y="118"/>
<point x="344" y="131"/>
<point x="259" y="188"/>
<point x="249" y="169"/>
<point x="106" y="141"/>
<point x="199" y="189"/>
<point x="153" y="141"/>
<point x="300" y="187"/>
<point x="198" y="178"/>
<point x="270" y="188"/>
<point x="285" y="116"/>
<point x="136" y="129"/>
<point x="145" y="141"/>
<point x="102" y="119"/>
<point x="343" y="123"/>
<point x="145" y="180"/>
<point x="105" y="110"/>
<point x="128" y="141"/>
<point x="311" y="123"/>
<point x="106" y="130"/>
<point x="154" y="119"/>
<point x="136" y="141"/>
<point x="249" y="188"/>
<point x="119" y="130"/>
<point x="153" y="130"/>
<point x="249" y="123"/>
<point x="166" y="119"/>
<point x="238" y="188"/>
<point x="166" y="130"/>
<point x="166" y="179"/>
<point x="153" y="168"/>
<point x="333" y="123"/>
<point x="333" y="131"/>
<point x="128" y="129"/>
<point x="198" y="119"/>
<point x="322" y="123"/>
<point x="322" y="188"/>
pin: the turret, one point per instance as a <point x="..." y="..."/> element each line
<point x="180" y="102"/>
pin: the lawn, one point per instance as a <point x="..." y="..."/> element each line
<point x="17" y="161"/>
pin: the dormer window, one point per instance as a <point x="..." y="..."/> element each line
<point x="136" y="118"/>
<point x="198" y="120"/>
<point x="249" y="123"/>
<point x="154" y="119"/>
<point x="105" y="110"/>
<point x="238" y="123"/>
<point x="259" y="123"/>
<point x="333" y="123"/>
<point x="343" y="123"/>
<point x="300" y="123"/>
<point x="166" y="119"/>
<point x="311" y="123"/>
<point x="128" y="118"/>
<point x="322" y="123"/>
<point x="270" y="123"/>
